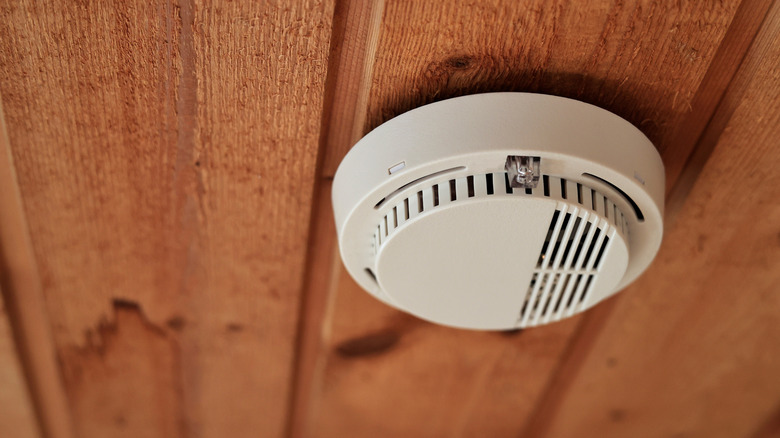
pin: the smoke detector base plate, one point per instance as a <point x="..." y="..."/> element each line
<point x="499" y="211"/>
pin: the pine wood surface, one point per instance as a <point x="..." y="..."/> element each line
<point x="166" y="156"/>
<point x="17" y="415"/>
<point x="25" y="312"/>
<point x="172" y="269"/>
<point x="693" y="351"/>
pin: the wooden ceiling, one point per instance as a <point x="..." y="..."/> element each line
<point x="167" y="248"/>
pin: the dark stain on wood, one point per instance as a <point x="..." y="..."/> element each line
<point x="459" y="62"/>
<point x="98" y="339"/>
<point x="368" y="345"/>
<point x="617" y="415"/>
<point x="133" y="361"/>
<point x="484" y="73"/>
<point x="234" y="327"/>
<point x="123" y="303"/>
<point x="176" y="323"/>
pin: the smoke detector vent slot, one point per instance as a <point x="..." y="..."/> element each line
<point x="558" y="262"/>
<point x="432" y="197"/>
<point x="640" y="217"/>
<point x="418" y="180"/>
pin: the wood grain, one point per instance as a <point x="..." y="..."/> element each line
<point x="323" y="261"/>
<point x="261" y="73"/>
<point x="17" y="416"/>
<point x="89" y="96"/>
<point x="167" y="249"/>
<point x="688" y="170"/>
<point x="433" y="381"/>
<point x="356" y="28"/>
<point x="24" y="310"/>
<point x="166" y="157"/>
<point x="643" y="60"/>
<point x="694" y="140"/>
<point x="104" y="379"/>
<point x="682" y="161"/>
<point x="391" y="375"/>
<point x="693" y="350"/>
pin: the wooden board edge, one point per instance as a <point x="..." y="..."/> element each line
<point x="728" y="58"/>
<point x="732" y="96"/>
<point x="592" y="324"/>
<point x="770" y="427"/>
<point x="353" y="44"/>
<point x="318" y="293"/>
<point x="23" y="295"/>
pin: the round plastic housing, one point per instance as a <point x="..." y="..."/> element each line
<point x="499" y="211"/>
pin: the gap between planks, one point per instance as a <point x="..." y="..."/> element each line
<point x="770" y="428"/>
<point x="354" y="39"/>
<point x="751" y="25"/>
<point x="687" y="139"/>
<point x="708" y="119"/>
<point x="23" y="295"/>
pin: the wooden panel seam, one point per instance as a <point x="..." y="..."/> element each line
<point x="317" y="298"/>
<point x="770" y="427"/>
<point x="185" y="193"/>
<point x="697" y="158"/>
<point x="357" y="26"/>
<point x="354" y="39"/>
<point x="17" y="412"/>
<point x="691" y="351"/>
<point x="714" y="87"/>
<point x="592" y="324"/>
<point x="23" y="295"/>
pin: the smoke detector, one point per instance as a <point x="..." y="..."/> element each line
<point x="499" y="211"/>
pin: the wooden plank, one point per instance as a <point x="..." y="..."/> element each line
<point x="769" y="428"/>
<point x="24" y="307"/>
<point x="356" y="30"/>
<point x="703" y="361"/>
<point x="712" y="90"/>
<point x="354" y="38"/>
<point x="705" y="123"/>
<point x="261" y="73"/>
<point x="388" y="374"/>
<point x="321" y="265"/>
<point x="126" y="382"/>
<point x="17" y="416"/>
<point x="746" y="26"/>
<point x="434" y="381"/>
<point x="166" y="157"/>
<point x="88" y="94"/>
<point x="641" y="60"/>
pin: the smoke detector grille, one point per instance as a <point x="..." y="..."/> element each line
<point x="576" y="240"/>
<point x="419" y="200"/>
<point x="576" y="243"/>
<point x="434" y="220"/>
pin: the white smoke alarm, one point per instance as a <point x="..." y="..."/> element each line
<point x="499" y="210"/>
